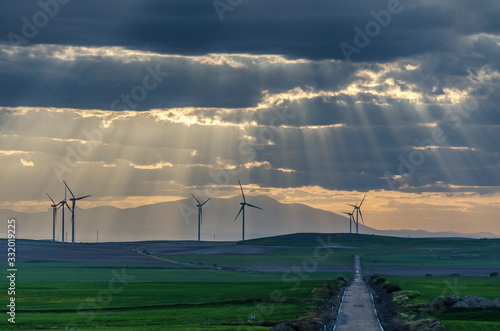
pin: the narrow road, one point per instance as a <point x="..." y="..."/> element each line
<point x="357" y="311"/>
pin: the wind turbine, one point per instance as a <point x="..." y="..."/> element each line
<point x="358" y="213"/>
<point x="55" y="207"/>
<point x="242" y="209"/>
<point x="200" y="213"/>
<point x="351" y="219"/>
<point x="73" y="199"/>
<point x="63" y="203"/>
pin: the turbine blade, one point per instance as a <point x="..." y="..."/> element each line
<point x="242" y="191"/>
<point x="69" y="189"/>
<point x="69" y="207"/>
<point x="361" y="217"/>
<point x="195" y="199"/>
<point x="249" y="205"/>
<point x="201" y="216"/>
<point x="362" y="200"/>
<point x="352" y="205"/>
<point x="206" y="201"/>
<point x="50" y="199"/>
<point x="80" y="198"/>
<point x="243" y="206"/>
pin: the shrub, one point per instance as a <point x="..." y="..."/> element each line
<point x="377" y="280"/>
<point x="390" y="288"/>
<point x="494" y="274"/>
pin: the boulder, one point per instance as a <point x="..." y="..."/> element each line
<point x="473" y="302"/>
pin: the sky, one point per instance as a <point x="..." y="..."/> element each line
<point x="314" y="102"/>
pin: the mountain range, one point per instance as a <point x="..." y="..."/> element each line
<point x="177" y="220"/>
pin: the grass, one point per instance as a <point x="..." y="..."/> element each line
<point x="55" y="295"/>
<point x="478" y="320"/>
<point x="70" y="273"/>
<point x="471" y="326"/>
<point x="60" y="296"/>
<point x="203" y="317"/>
<point x="452" y="256"/>
<point x="363" y="240"/>
<point x="376" y="251"/>
<point x="278" y="257"/>
<point x="380" y="256"/>
<point x="433" y="287"/>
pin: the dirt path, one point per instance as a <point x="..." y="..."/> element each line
<point x="357" y="311"/>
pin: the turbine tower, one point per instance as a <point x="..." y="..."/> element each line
<point x="63" y="203"/>
<point x="351" y="219"/>
<point x="73" y="199"/>
<point x="200" y="213"/>
<point x="358" y="213"/>
<point x="55" y="207"/>
<point x="242" y="209"/>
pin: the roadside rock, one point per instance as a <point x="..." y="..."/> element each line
<point x="442" y="303"/>
<point x="496" y="302"/>
<point x="471" y="301"/>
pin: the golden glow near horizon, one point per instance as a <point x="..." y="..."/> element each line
<point x="383" y="210"/>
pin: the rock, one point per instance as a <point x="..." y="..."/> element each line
<point x="496" y="302"/>
<point x="472" y="302"/>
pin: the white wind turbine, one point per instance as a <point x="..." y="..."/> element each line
<point x="63" y="203"/>
<point x="73" y="199"/>
<point x="351" y="220"/>
<point x="200" y="214"/>
<point x="358" y="213"/>
<point x="55" y="207"/>
<point x="242" y="209"/>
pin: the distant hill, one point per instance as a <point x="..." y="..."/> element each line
<point x="364" y="240"/>
<point x="177" y="220"/>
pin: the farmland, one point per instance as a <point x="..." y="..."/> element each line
<point x="218" y="286"/>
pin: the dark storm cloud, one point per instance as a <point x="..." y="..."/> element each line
<point x="297" y="29"/>
<point x="350" y="124"/>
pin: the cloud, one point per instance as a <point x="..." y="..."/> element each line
<point x="315" y="31"/>
<point x="176" y="99"/>
<point x="27" y="163"/>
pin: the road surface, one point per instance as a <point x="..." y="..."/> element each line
<point x="356" y="311"/>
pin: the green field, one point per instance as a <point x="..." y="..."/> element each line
<point x="55" y="295"/>
<point x="76" y="296"/>
<point x="376" y="251"/>
<point x="475" y="321"/>
<point x="363" y="240"/>
<point x="377" y="256"/>
<point x="278" y="257"/>
<point x="433" y="287"/>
